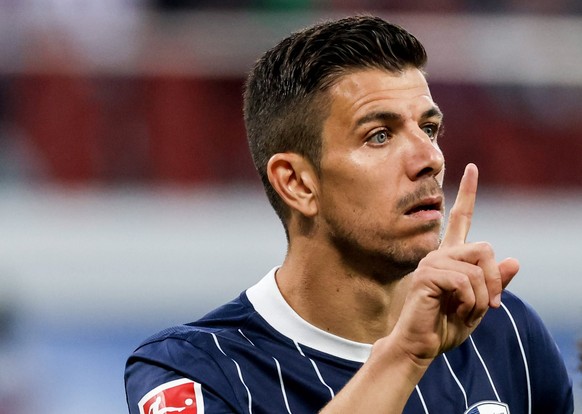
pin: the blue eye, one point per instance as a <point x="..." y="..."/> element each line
<point x="431" y="130"/>
<point x="379" y="137"/>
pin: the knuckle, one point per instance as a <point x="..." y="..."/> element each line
<point x="486" y="248"/>
<point x="462" y="281"/>
<point x="420" y="275"/>
<point x="476" y="273"/>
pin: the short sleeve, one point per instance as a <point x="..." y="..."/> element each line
<point x="174" y="374"/>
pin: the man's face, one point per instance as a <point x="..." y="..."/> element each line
<point x="381" y="201"/>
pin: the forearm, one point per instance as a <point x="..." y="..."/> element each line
<point x="383" y="384"/>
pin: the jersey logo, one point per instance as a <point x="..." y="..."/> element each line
<point x="488" y="407"/>
<point x="179" y="396"/>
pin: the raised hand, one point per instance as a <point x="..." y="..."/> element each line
<point x="448" y="294"/>
<point x="454" y="286"/>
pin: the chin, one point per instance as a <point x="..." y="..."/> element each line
<point x="392" y="262"/>
<point x="413" y="256"/>
<point x="409" y="254"/>
<point x="423" y="243"/>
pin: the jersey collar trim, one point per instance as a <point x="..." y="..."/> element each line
<point x="270" y="304"/>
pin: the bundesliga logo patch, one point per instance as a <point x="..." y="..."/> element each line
<point x="180" y="396"/>
<point x="488" y="407"/>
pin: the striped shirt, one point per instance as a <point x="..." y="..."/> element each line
<point x="256" y="355"/>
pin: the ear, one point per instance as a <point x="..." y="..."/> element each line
<point x="295" y="180"/>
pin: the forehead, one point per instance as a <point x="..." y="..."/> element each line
<point x="363" y="91"/>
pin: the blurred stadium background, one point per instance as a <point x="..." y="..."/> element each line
<point x="128" y="201"/>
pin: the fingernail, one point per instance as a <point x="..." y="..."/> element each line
<point x="497" y="300"/>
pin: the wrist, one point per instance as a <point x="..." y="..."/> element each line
<point x="394" y="350"/>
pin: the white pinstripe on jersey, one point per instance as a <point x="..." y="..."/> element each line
<point x="282" y="385"/>
<point x="278" y="371"/>
<point x="421" y="399"/>
<point x="524" y="357"/>
<point x="239" y="373"/>
<point x="485" y="367"/>
<point x="457" y="381"/>
<point x="315" y="368"/>
<point x="246" y="337"/>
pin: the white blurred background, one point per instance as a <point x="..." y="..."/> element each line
<point x="128" y="201"/>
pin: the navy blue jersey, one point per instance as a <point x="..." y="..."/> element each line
<point x="256" y="355"/>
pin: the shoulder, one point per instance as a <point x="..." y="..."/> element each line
<point x="514" y="314"/>
<point x="202" y="334"/>
<point x="527" y="324"/>
<point x="191" y="354"/>
<point x="518" y="335"/>
<point x="515" y="322"/>
<point x="515" y="332"/>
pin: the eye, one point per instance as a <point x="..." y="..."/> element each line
<point x="431" y="130"/>
<point x="379" y="137"/>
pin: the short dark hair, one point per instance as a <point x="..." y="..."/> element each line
<point x="284" y="108"/>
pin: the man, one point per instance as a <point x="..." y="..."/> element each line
<point x="371" y="312"/>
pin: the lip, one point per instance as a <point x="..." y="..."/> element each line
<point x="428" y="208"/>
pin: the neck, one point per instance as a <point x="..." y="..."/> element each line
<point x="348" y="303"/>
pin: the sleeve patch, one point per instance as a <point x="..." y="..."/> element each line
<point x="179" y="396"/>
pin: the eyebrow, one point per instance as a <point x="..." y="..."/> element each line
<point x="392" y="116"/>
<point x="432" y="112"/>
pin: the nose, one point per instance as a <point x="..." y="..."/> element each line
<point x="424" y="158"/>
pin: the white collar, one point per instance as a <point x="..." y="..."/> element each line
<point x="270" y="304"/>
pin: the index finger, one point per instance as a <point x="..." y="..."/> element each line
<point x="462" y="211"/>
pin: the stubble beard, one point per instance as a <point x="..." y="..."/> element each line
<point x="380" y="256"/>
<point x="370" y="250"/>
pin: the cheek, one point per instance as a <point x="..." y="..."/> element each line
<point x="343" y="196"/>
<point x="358" y="197"/>
<point x="359" y="183"/>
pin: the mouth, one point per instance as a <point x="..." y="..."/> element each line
<point x="433" y="204"/>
